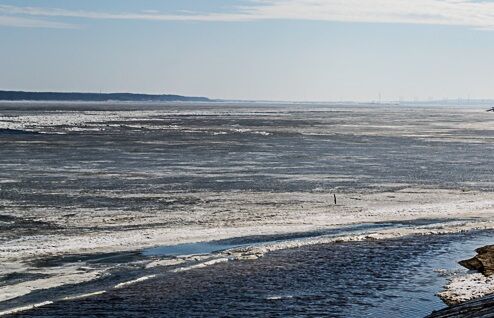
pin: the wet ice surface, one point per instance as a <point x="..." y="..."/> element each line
<point x="130" y="166"/>
<point x="153" y="158"/>
<point x="228" y="147"/>
<point x="249" y="241"/>
<point x="389" y="278"/>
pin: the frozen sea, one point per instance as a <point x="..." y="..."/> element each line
<point x="237" y="147"/>
<point x="115" y="180"/>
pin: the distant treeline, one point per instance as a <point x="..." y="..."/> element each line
<point x="95" y="97"/>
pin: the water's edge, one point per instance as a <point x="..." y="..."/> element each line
<point x="140" y="266"/>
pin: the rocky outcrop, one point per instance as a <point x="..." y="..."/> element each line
<point x="471" y="295"/>
<point x="483" y="262"/>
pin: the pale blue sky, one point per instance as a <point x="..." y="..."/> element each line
<point x="252" y="49"/>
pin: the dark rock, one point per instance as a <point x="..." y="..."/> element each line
<point x="472" y="264"/>
<point x="477" y="308"/>
<point x="482" y="262"/>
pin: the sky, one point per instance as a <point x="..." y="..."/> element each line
<point x="290" y="50"/>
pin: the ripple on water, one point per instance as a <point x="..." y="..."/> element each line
<point x="391" y="278"/>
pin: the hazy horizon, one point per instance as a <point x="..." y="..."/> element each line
<point x="449" y="101"/>
<point x="277" y="50"/>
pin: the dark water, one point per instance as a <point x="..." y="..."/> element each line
<point x="391" y="278"/>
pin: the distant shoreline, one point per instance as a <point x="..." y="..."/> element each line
<point x="29" y="96"/>
<point x="95" y="97"/>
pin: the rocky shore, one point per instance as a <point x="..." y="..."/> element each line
<point x="471" y="295"/>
